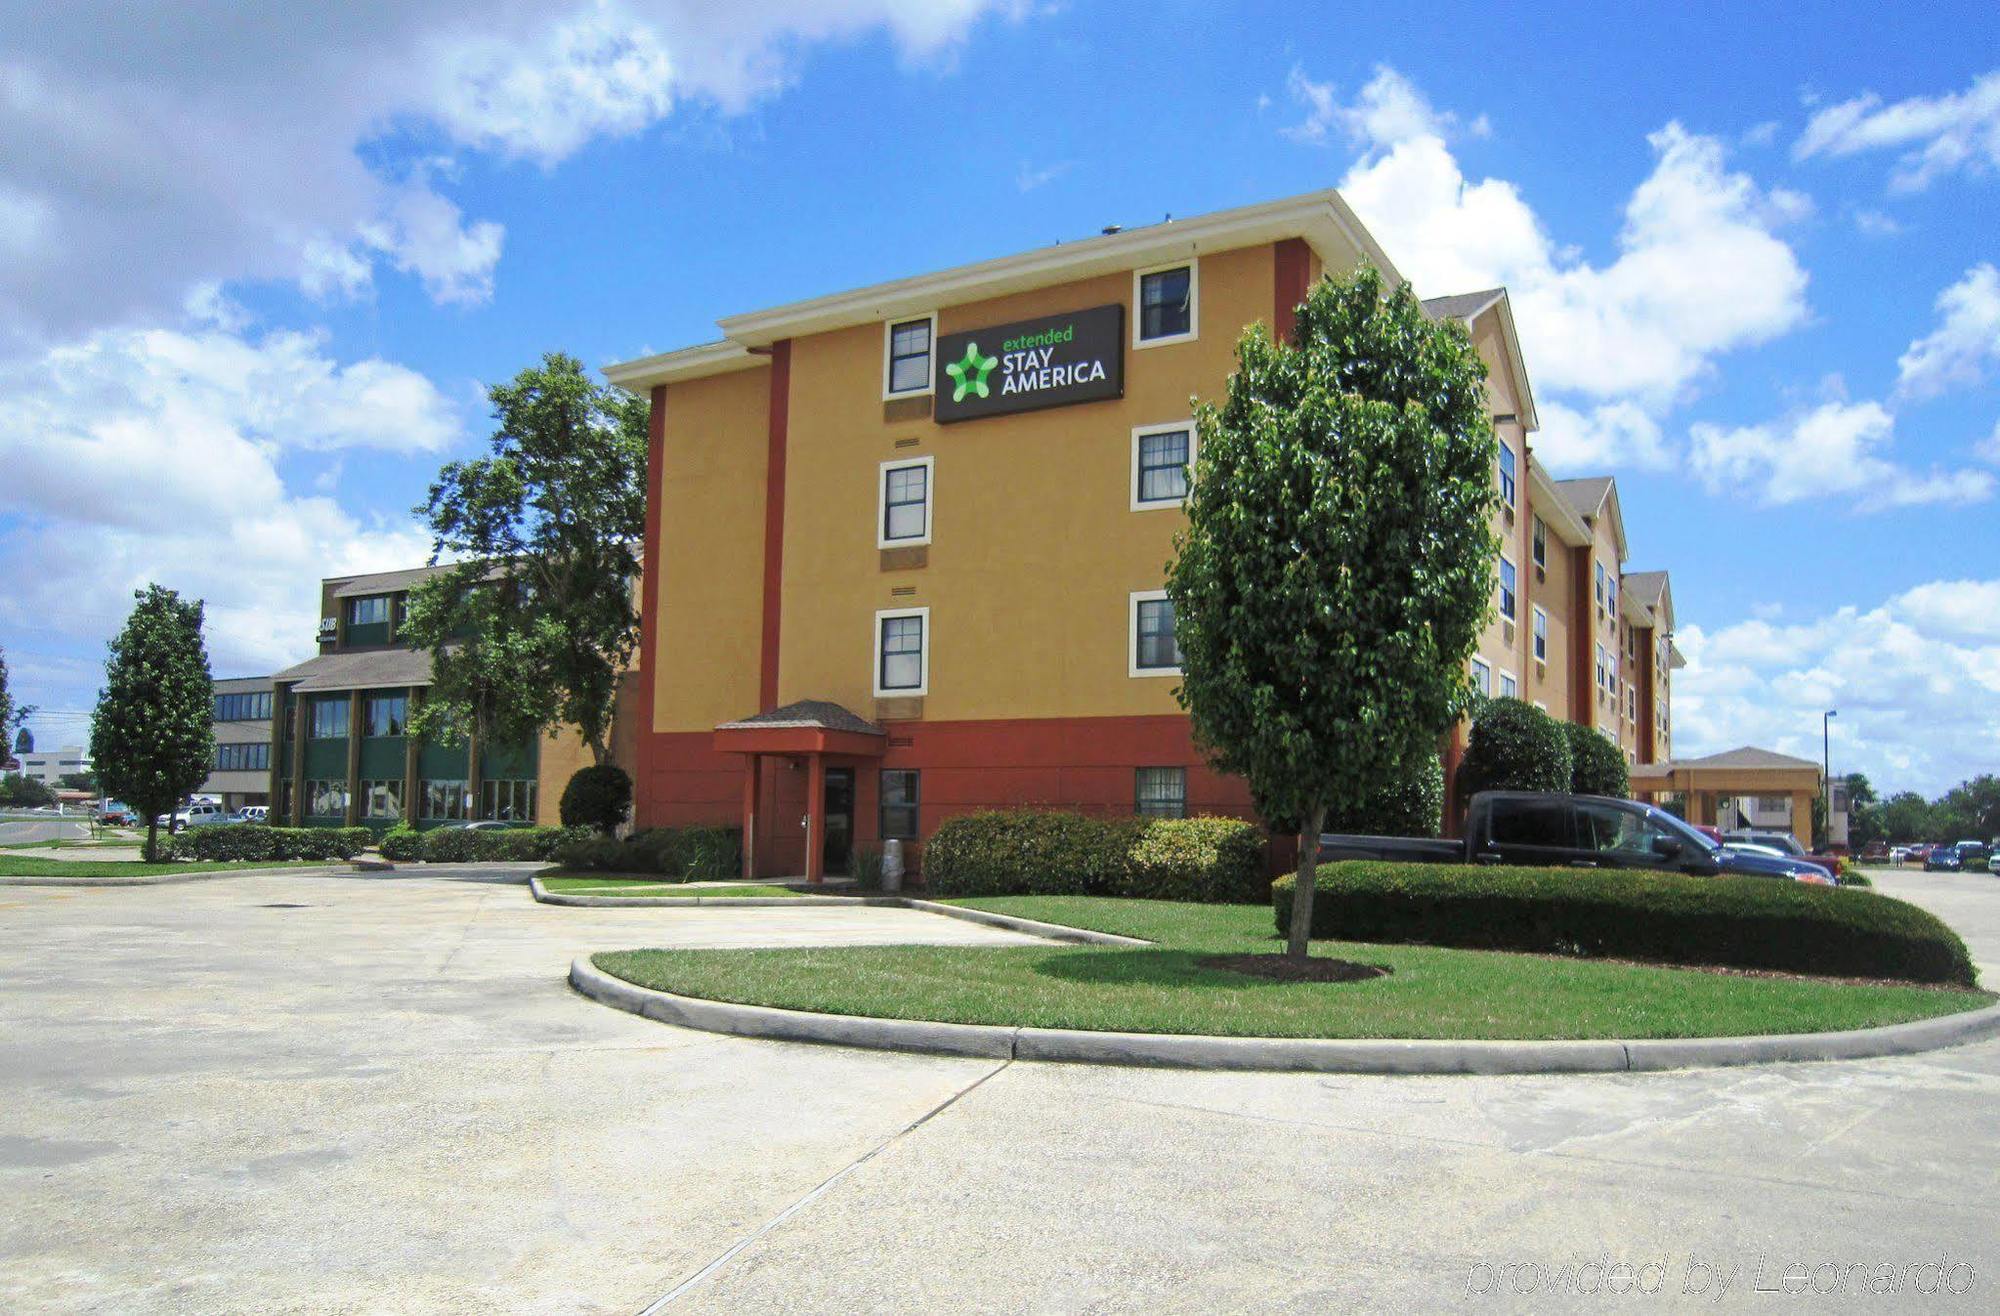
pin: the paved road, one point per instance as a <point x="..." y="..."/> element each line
<point x="388" y="1101"/>
<point x="29" y="831"/>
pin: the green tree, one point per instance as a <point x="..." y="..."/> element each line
<point x="78" y="781"/>
<point x="1597" y="766"/>
<point x="536" y="620"/>
<point x="1515" y="746"/>
<point x="6" y="697"/>
<point x="24" y="739"/>
<point x="1339" y="558"/>
<point x="1906" y="817"/>
<point x="151" y="738"/>
<point x="23" y="792"/>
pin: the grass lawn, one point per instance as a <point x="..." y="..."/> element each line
<point x="1433" y="992"/>
<point x="616" y="884"/>
<point x="19" y="866"/>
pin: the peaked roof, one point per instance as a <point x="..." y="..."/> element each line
<point x="1747" y="756"/>
<point x="383" y="582"/>
<point x="818" y="714"/>
<point x="1591" y="496"/>
<point x="1462" y="305"/>
<point x="1646" y="586"/>
<point x="360" y="669"/>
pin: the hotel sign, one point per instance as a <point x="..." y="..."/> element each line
<point x="1051" y="361"/>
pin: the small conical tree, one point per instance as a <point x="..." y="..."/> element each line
<point x="152" y="737"/>
<point x="1339" y="557"/>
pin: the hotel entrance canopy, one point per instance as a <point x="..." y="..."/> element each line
<point x="812" y="729"/>
<point x="1733" y="773"/>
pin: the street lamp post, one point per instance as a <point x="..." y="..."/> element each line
<point x="1826" y="770"/>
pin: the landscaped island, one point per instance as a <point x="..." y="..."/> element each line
<point x="1431" y="992"/>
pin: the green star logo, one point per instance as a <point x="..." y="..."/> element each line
<point x="969" y="375"/>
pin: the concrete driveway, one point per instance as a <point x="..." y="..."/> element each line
<point x="388" y="1101"/>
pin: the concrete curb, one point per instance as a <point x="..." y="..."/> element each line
<point x="1027" y="926"/>
<point x="1321" y="1055"/>
<point x="170" y="879"/>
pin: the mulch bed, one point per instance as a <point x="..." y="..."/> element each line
<point x="1283" y="968"/>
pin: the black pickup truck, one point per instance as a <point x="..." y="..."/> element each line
<point x="1572" y="831"/>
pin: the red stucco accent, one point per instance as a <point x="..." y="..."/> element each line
<point x="1292" y="279"/>
<point x="649" y="586"/>
<point x="774" y="522"/>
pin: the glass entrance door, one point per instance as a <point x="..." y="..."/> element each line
<point x="838" y="848"/>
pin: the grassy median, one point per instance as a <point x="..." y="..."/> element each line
<point x="22" y="866"/>
<point x="1430" y="993"/>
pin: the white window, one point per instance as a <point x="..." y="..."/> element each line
<point x="1152" y="648"/>
<point x="1611" y="590"/>
<point x="1510" y="686"/>
<point x="903" y="512"/>
<point x="1166" y="304"/>
<point x="906" y="349"/>
<point x="1482" y="676"/>
<point x="1160" y="792"/>
<point x="1541" y="543"/>
<point x="1507" y="475"/>
<point x="1541" y="636"/>
<point x="1162" y="461"/>
<point x="1600" y="586"/>
<point x="902" y="652"/>
<point x="1509" y="601"/>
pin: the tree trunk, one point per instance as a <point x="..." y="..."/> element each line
<point x="1302" y="894"/>
<point x="600" y="748"/>
<point x="152" y="839"/>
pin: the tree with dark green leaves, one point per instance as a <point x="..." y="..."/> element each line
<point x="24" y="740"/>
<point x="1515" y="746"/>
<point x="1339" y="556"/>
<point x="13" y="716"/>
<point x="1597" y="765"/>
<point x="6" y="697"/>
<point x="536" y="620"/>
<point x="151" y="738"/>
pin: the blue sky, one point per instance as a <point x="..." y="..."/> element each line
<point x="254" y="273"/>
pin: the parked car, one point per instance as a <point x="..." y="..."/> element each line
<point x="198" y="814"/>
<point x="483" y="825"/>
<point x="1784" y="843"/>
<point x="1942" y="859"/>
<point x="1993" y="864"/>
<point x="251" y="813"/>
<point x="114" y="814"/>
<point x="1573" y="831"/>
<point x="1973" y="858"/>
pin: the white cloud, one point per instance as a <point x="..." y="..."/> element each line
<point x="141" y="455"/>
<point x="1935" y="134"/>
<point x="1389" y="110"/>
<point x="1700" y="268"/>
<point x="1028" y="178"/>
<point x="1966" y="343"/>
<point x="1607" y="436"/>
<point x="1988" y="448"/>
<point x="200" y="147"/>
<point x="1877" y="224"/>
<point x="1916" y="680"/>
<point x="1832" y="450"/>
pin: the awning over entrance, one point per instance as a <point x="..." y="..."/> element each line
<point x="814" y="730"/>
<point x="1731" y="774"/>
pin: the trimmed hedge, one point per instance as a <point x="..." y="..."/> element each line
<point x="1671" y="918"/>
<point x="1597" y="767"/>
<point x="464" y="845"/>
<point x="402" y="844"/>
<point x="1030" y="852"/>
<point x="256" y="842"/>
<point x="1514" y="746"/>
<point x="678" y="854"/>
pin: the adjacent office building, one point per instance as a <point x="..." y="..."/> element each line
<point x="906" y="544"/>
<point x="341" y="749"/>
<point x="241" y="772"/>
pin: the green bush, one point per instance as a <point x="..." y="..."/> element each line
<point x="1413" y="805"/>
<point x="677" y="854"/>
<point x="450" y="845"/>
<point x="464" y="845"/>
<point x="598" y="796"/>
<point x="1672" y="918"/>
<point x="1212" y="860"/>
<point x="1030" y="852"/>
<point x="1597" y="766"/>
<point x="254" y="842"/>
<point x="402" y="844"/>
<point x="1514" y="747"/>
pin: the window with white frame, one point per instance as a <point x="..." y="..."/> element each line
<point x="1167" y="302"/>
<point x="1603" y="670"/>
<point x="1600" y="585"/>
<point x="902" y="652"/>
<point x="1154" y="650"/>
<point x="1541" y="543"/>
<point x="1611" y="591"/>
<point x="908" y="348"/>
<point x="1541" y="636"/>
<point x="1162" y="458"/>
<point x="1509" y="600"/>
<point x="904" y="513"/>
<point x="1160" y="792"/>
<point x="1482" y="676"/>
<point x="1507" y="475"/>
<point x="1510" y="686"/>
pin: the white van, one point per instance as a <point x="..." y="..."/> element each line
<point x="195" y="815"/>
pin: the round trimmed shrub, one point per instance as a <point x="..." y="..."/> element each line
<point x="1212" y="860"/>
<point x="598" y="796"/>
<point x="1515" y="747"/>
<point x="1597" y="767"/>
<point x="1412" y="805"/>
<point x="402" y="844"/>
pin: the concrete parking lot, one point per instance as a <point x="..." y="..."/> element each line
<point x="352" y="1094"/>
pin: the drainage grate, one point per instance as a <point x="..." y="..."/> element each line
<point x="285" y="905"/>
